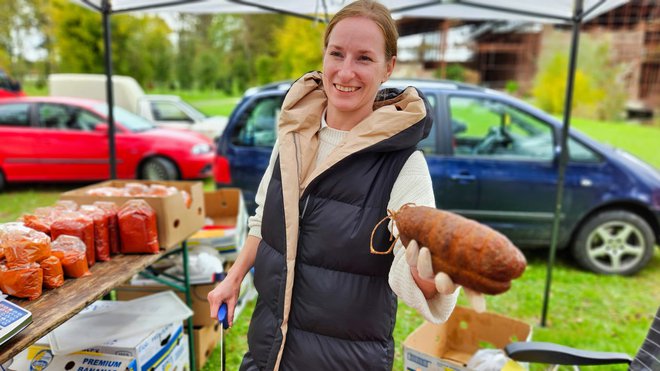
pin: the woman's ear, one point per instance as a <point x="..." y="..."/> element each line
<point x="390" y="67"/>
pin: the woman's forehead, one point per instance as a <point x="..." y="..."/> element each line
<point x="357" y="32"/>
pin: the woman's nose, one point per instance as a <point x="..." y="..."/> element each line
<point x="346" y="71"/>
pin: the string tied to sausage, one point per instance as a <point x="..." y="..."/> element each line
<point x="391" y="215"/>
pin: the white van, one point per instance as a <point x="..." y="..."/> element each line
<point x="168" y="111"/>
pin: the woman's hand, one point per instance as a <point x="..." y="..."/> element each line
<point x="431" y="284"/>
<point x="225" y="292"/>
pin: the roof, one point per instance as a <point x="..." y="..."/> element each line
<point x="82" y="102"/>
<point x="556" y="11"/>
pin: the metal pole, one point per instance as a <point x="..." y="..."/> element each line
<point x="106" y="11"/>
<point x="563" y="155"/>
<point x="189" y="323"/>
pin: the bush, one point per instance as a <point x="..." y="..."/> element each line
<point x="599" y="91"/>
<point x="454" y="72"/>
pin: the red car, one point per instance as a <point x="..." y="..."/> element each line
<point x="66" y="139"/>
<point x="9" y="87"/>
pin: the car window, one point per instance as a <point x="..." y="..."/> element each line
<point x="63" y="117"/>
<point x="257" y="125"/>
<point x="14" y="114"/>
<point x="129" y="120"/>
<point x="168" y="111"/>
<point x="489" y="128"/>
<point x="578" y="152"/>
<point x="428" y="144"/>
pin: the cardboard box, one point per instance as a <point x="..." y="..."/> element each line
<point x="226" y="208"/>
<point x="450" y="345"/>
<point x="148" y="349"/>
<point x="200" y="305"/>
<point x="39" y="357"/>
<point x="205" y="339"/>
<point x="178" y="359"/>
<point x="176" y="222"/>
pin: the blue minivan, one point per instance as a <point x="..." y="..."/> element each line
<point x="494" y="159"/>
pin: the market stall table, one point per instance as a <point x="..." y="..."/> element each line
<point x="56" y="306"/>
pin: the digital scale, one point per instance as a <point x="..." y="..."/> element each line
<point x="13" y="319"/>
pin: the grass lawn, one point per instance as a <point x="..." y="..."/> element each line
<point x="607" y="313"/>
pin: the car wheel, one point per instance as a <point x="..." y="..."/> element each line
<point x="2" y="180"/>
<point x="159" y="168"/>
<point x="614" y="242"/>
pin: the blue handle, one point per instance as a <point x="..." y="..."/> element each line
<point x="222" y="316"/>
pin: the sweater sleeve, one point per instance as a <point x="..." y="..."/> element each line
<point x="254" y="222"/>
<point x="414" y="185"/>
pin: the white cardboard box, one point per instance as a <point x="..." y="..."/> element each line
<point x="146" y="349"/>
<point x="450" y="345"/>
<point x="39" y="357"/>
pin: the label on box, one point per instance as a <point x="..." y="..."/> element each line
<point x="38" y="357"/>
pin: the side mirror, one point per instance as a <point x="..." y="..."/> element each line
<point x="101" y="128"/>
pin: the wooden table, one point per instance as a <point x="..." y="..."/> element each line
<point x="55" y="306"/>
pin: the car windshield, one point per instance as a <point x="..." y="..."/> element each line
<point x="130" y="121"/>
<point x="193" y="111"/>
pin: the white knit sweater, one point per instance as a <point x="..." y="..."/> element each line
<point x="412" y="185"/>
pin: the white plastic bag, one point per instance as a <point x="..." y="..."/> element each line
<point x="487" y="360"/>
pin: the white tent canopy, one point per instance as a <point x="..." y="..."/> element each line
<point x="557" y="11"/>
<point x="569" y="12"/>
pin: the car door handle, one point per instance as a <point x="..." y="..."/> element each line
<point x="463" y="178"/>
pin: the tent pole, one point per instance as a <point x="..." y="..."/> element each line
<point x="563" y="155"/>
<point x="106" y="12"/>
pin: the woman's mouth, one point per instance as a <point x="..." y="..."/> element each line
<point x="345" y="89"/>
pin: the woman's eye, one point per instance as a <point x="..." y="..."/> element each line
<point x="365" y="58"/>
<point x="335" y="53"/>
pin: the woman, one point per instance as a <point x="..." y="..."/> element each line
<point x="345" y="154"/>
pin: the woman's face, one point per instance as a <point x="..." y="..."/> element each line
<point x="354" y="66"/>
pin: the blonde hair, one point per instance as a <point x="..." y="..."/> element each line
<point x="374" y="11"/>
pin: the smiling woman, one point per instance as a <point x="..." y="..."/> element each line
<point x="344" y="155"/>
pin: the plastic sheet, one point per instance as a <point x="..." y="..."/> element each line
<point x="138" y="227"/>
<point x="23" y="281"/>
<point x="53" y="273"/>
<point x="71" y="252"/>
<point x="22" y="245"/>
<point x="79" y="225"/>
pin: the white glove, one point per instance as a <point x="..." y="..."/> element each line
<point x="419" y="259"/>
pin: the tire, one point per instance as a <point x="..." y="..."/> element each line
<point x="158" y="168"/>
<point x="614" y="242"/>
<point x="3" y="182"/>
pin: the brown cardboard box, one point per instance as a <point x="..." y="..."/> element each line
<point x="229" y="229"/>
<point x="451" y="345"/>
<point x="205" y="339"/>
<point x="200" y="306"/>
<point x="175" y="221"/>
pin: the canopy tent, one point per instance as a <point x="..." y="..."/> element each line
<point x="567" y="12"/>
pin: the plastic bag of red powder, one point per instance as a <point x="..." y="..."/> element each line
<point x="137" y="227"/>
<point x="79" y="225"/>
<point x="101" y="231"/>
<point x="22" y="245"/>
<point x="22" y="281"/>
<point x="71" y="252"/>
<point x="66" y="205"/>
<point x="37" y="223"/>
<point x="53" y="273"/>
<point x="110" y="209"/>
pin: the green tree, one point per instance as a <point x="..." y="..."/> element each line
<point x="299" y="48"/>
<point x="598" y="90"/>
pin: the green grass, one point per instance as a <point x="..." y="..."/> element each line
<point x="587" y="311"/>
<point x="642" y="141"/>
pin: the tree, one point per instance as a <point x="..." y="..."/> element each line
<point x="299" y="48"/>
